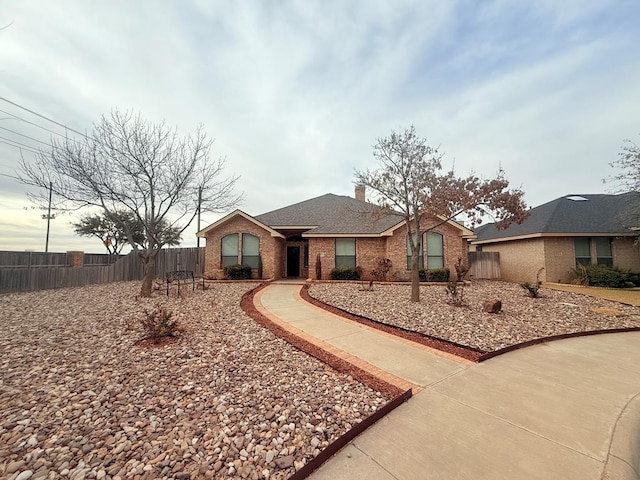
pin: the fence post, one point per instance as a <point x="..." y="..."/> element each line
<point x="76" y="259"/>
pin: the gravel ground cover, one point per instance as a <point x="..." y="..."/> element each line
<point x="522" y="318"/>
<point x="228" y="399"/>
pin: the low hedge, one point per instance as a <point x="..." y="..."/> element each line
<point x="237" y="272"/>
<point x="434" y="274"/>
<point x="346" y="273"/>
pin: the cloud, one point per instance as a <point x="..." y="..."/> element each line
<point x="295" y="93"/>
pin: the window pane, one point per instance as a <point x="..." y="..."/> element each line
<point x="434" y="244"/>
<point x="345" y="261"/>
<point x="345" y="246"/>
<point x="345" y="252"/>
<point x="435" y="262"/>
<point x="582" y="247"/>
<point x="226" y="261"/>
<point x="252" y="261"/>
<point x="230" y="245"/>
<point x="603" y="247"/>
<point x="250" y="245"/>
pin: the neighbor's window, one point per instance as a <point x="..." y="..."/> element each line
<point x="250" y="250"/>
<point x="604" y="252"/>
<point x="583" y="250"/>
<point x="230" y="250"/>
<point x="435" y="250"/>
<point x="420" y="253"/>
<point x="345" y="252"/>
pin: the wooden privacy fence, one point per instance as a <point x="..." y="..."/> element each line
<point x="32" y="271"/>
<point x="484" y="265"/>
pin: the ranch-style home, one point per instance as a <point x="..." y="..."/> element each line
<point x="334" y="230"/>
<point x="570" y="230"/>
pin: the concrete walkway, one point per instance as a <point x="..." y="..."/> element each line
<point x="547" y="411"/>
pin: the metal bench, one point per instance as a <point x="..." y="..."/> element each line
<point x="179" y="276"/>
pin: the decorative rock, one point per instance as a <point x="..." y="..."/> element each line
<point x="284" y="462"/>
<point x="492" y="306"/>
<point x="26" y="475"/>
<point x="14" y="466"/>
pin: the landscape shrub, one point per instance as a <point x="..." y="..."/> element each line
<point x="604" y="276"/>
<point x="346" y="273"/>
<point x="237" y="272"/>
<point x="533" y="289"/>
<point x="434" y="275"/>
<point x="157" y="323"/>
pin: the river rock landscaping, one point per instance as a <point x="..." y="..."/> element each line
<point x="80" y="399"/>
<point x="522" y="318"/>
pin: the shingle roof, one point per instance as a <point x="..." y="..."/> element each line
<point x="596" y="214"/>
<point x="332" y="214"/>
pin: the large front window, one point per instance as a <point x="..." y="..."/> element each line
<point x="345" y="252"/>
<point x="596" y="250"/>
<point x="434" y="250"/>
<point x="240" y="249"/>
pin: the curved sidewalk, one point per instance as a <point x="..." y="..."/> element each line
<point x="547" y="411"/>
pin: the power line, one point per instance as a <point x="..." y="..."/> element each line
<point x="22" y="119"/>
<point x="25" y="136"/>
<point x="42" y="116"/>
<point x="18" y="145"/>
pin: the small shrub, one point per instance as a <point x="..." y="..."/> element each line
<point x="237" y="272"/>
<point x="157" y="323"/>
<point x="434" y="275"/>
<point x="318" y="267"/>
<point x="455" y="293"/>
<point x="533" y="289"/>
<point x="383" y="265"/>
<point x="603" y="276"/>
<point x="346" y="273"/>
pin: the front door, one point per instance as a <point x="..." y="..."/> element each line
<point x="293" y="261"/>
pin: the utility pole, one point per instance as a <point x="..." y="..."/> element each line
<point x="199" y="208"/>
<point x="48" y="217"/>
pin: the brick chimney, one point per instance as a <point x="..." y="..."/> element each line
<point x="360" y="193"/>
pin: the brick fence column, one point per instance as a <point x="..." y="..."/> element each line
<point x="76" y="259"/>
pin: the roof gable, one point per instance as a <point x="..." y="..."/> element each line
<point x="574" y="214"/>
<point x="237" y="213"/>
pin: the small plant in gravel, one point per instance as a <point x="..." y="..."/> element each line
<point x="379" y="273"/>
<point x="158" y="323"/>
<point x="533" y="289"/>
<point x="455" y="294"/>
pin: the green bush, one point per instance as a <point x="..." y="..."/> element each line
<point x="346" y="273"/>
<point x="434" y="275"/>
<point x="237" y="272"/>
<point x="604" y="276"/>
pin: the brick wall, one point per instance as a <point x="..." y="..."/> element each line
<point x="454" y="247"/>
<point x="626" y="253"/>
<point x="325" y="247"/>
<point x="560" y="260"/>
<point x="270" y="248"/>
<point x="519" y="260"/>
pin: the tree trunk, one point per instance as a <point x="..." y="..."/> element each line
<point x="149" y="273"/>
<point x="415" y="278"/>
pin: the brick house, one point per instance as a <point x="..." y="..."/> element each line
<point x="585" y="229"/>
<point x="338" y="230"/>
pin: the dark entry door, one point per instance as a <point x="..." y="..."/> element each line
<point x="293" y="261"/>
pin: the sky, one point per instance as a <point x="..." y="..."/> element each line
<point x="295" y="93"/>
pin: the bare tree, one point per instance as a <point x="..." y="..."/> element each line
<point x="628" y="180"/>
<point x="128" y="164"/>
<point x="409" y="181"/>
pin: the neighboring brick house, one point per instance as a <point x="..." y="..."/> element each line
<point x="574" y="229"/>
<point x="339" y="230"/>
